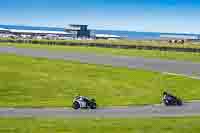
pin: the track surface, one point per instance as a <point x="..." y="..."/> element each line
<point x="166" y="66"/>
<point x="178" y="67"/>
<point x="189" y="109"/>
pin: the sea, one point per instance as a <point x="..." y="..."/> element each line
<point x="133" y="35"/>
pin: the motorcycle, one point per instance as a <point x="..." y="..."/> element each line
<point x="82" y="102"/>
<point x="170" y="100"/>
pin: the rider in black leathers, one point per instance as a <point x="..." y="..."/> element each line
<point x="83" y="98"/>
<point x="169" y="98"/>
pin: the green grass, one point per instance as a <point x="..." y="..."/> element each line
<point x="121" y="42"/>
<point x="100" y="125"/>
<point x="37" y="82"/>
<point x="184" y="56"/>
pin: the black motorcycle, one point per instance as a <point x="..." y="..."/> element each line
<point x="170" y="100"/>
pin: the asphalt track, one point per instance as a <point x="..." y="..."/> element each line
<point x="165" y="66"/>
<point x="158" y="65"/>
<point x="188" y="109"/>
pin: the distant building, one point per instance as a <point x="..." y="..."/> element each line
<point x="2" y="31"/>
<point x="72" y="31"/>
<point x="35" y="34"/>
<point x="38" y="32"/>
<point x="79" y="31"/>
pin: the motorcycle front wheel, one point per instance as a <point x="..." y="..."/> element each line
<point x="75" y="105"/>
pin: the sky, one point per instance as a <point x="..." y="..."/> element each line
<point x="133" y="15"/>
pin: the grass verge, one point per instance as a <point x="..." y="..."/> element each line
<point x="100" y="125"/>
<point x="184" y="56"/>
<point x="38" y="82"/>
<point x="155" y="43"/>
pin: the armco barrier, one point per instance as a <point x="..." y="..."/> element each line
<point x="141" y="47"/>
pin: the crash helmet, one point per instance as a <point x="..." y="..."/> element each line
<point x="164" y="93"/>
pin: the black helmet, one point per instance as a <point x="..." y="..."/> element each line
<point x="164" y="93"/>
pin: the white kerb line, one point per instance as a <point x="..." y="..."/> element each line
<point x="175" y="74"/>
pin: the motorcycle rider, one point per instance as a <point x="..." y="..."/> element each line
<point x="168" y="97"/>
<point x="83" y="98"/>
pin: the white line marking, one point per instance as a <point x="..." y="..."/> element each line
<point x="183" y="75"/>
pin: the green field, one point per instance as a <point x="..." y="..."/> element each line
<point x="37" y="82"/>
<point x="185" y="56"/>
<point x="100" y="125"/>
<point x="119" y="42"/>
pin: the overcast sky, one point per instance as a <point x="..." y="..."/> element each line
<point x="136" y="15"/>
